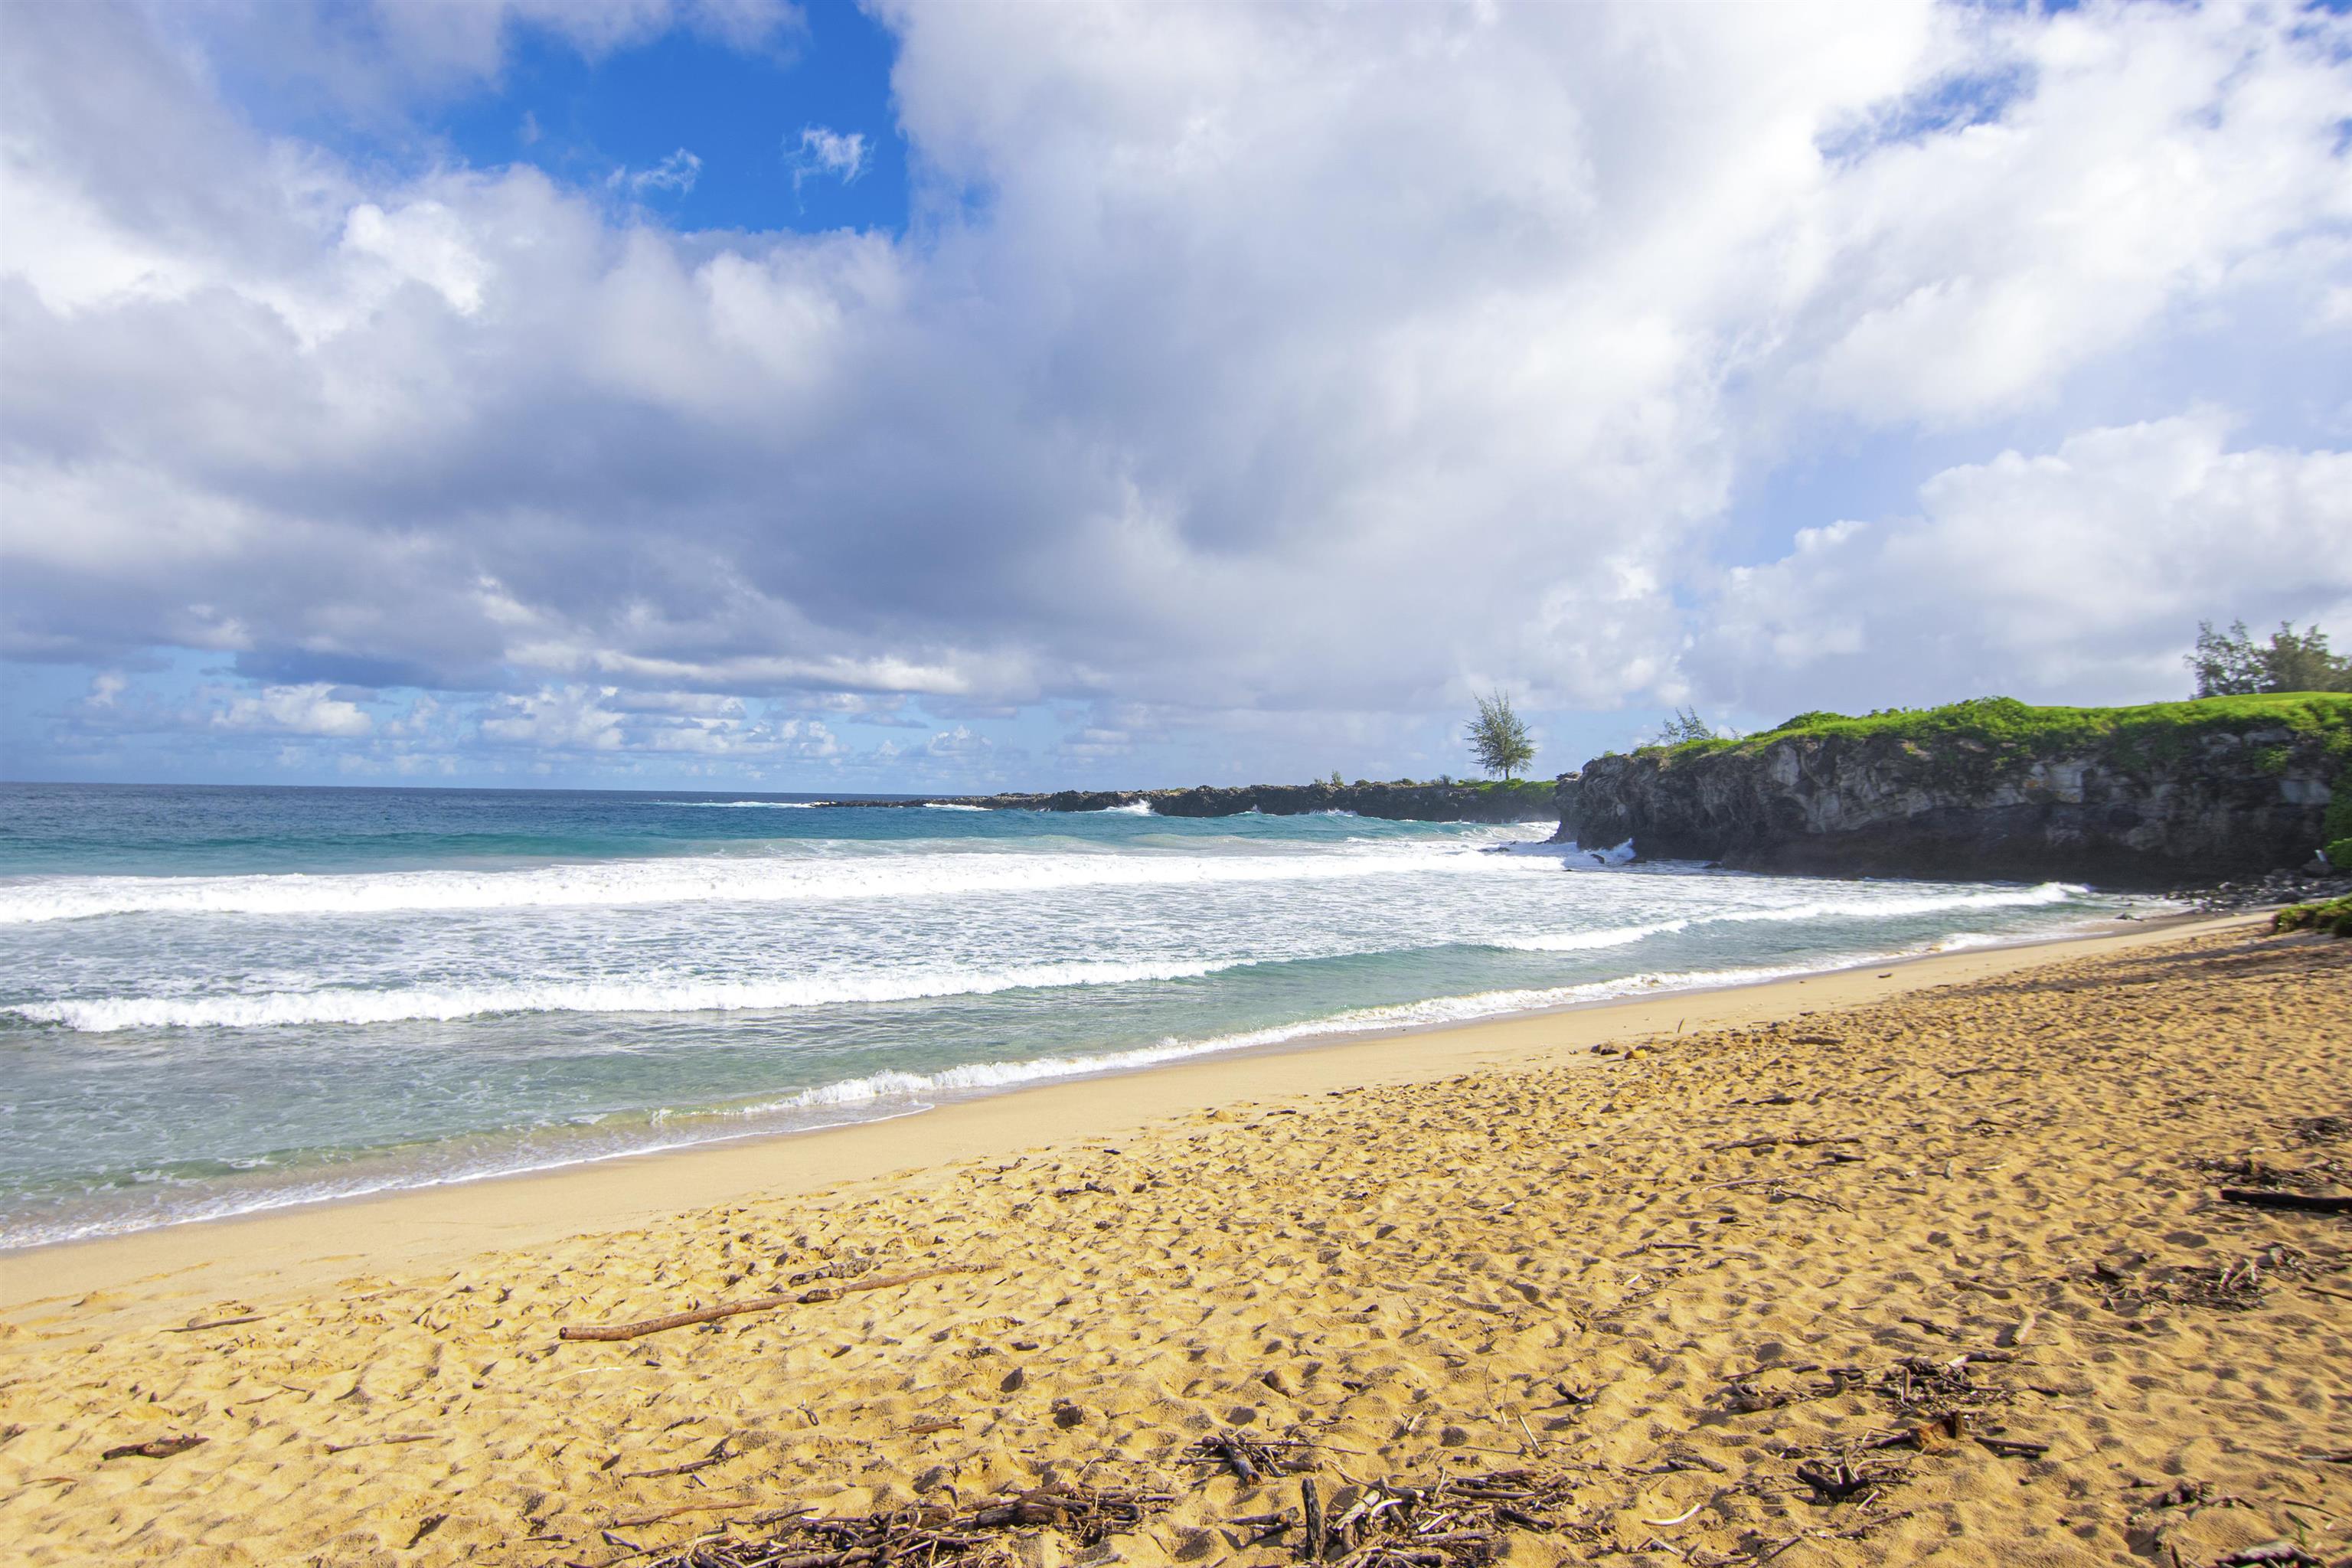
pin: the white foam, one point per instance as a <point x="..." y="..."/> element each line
<point x="1867" y="907"/>
<point x="764" y="878"/>
<point x="951" y="805"/>
<point x="441" y="1003"/>
<point x="1586" y="940"/>
<point x="1875" y="905"/>
<point x="1430" y="1013"/>
<point x="1132" y="808"/>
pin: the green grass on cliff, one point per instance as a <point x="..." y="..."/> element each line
<point x="2002" y="725"/>
<point x="1536" y="789"/>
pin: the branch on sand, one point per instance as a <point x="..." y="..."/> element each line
<point x="759" y="1304"/>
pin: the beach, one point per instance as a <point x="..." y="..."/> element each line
<point x="1944" y="1234"/>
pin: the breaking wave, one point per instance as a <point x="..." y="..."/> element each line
<point x="442" y="1003"/>
<point x="702" y="879"/>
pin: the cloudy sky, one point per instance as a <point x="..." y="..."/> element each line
<point x="922" y="396"/>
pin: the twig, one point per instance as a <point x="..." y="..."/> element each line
<point x="382" y="1442"/>
<point x="216" y="1323"/>
<point x="2012" y="1449"/>
<point x="155" y="1447"/>
<point x="730" y="1505"/>
<point x="759" y="1304"/>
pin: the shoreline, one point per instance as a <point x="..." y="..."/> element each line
<point x="313" y="1241"/>
<point x="1943" y="1236"/>
<point x="1346" y="1027"/>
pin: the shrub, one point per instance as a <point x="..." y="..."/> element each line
<point x="2334" y="917"/>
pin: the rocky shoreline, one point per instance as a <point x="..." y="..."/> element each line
<point x="2264" y="892"/>
<point x="1522" y="800"/>
<point x="2230" y="797"/>
<point x="2172" y="794"/>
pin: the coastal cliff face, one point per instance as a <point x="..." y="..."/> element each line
<point x="1525" y="800"/>
<point x="2146" y="797"/>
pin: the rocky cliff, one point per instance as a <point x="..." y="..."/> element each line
<point x="2137" y="797"/>
<point x="1524" y="800"/>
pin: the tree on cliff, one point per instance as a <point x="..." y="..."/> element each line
<point x="2231" y="664"/>
<point x="1498" y="738"/>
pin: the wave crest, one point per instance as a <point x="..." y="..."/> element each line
<point x="442" y="1003"/>
<point x="751" y="879"/>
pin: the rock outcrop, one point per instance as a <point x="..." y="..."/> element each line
<point x="2150" y="797"/>
<point x="1525" y="800"/>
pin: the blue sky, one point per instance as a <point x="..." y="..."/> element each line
<point x="929" y="396"/>
<point x="745" y="116"/>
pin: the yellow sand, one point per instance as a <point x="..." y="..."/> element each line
<point x="1460" y="1250"/>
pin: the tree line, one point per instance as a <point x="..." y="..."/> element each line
<point x="2231" y="664"/>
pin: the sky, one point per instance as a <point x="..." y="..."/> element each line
<point x="733" y="394"/>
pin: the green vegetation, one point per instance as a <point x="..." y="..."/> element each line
<point x="2334" y="917"/>
<point x="2229" y="664"/>
<point x="1684" y="724"/>
<point x="1498" y="738"/>
<point x="1537" y="791"/>
<point x="2004" y="726"/>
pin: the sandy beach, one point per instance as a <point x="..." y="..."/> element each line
<point x="1922" y="1263"/>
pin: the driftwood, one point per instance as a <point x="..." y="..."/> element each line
<point x="1455" y="1519"/>
<point x="718" y="1456"/>
<point x="1794" y="1140"/>
<point x="1839" y="1479"/>
<point x="2014" y="1448"/>
<point x="929" y="1534"/>
<point x="758" y="1304"/>
<point x="2306" y="1203"/>
<point x="655" y="1516"/>
<point x="216" y="1323"/>
<point x="155" y="1447"/>
<point x="1311" y="1504"/>
<point x="379" y="1442"/>
<point x="1251" y="1459"/>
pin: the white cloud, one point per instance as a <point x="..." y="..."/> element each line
<point x="1238" y="362"/>
<point x="825" y="152"/>
<point x="309" y="710"/>
<point x="2041" y="575"/>
<point x="960" y="743"/>
<point x="424" y="242"/>
<point x="675" y="173"/>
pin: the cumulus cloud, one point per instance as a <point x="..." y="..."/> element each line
<point x="2042" y="574"/>
<point x="316" y="708"/>
<point x="1236" y="362"/>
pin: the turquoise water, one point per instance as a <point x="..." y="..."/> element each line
<point x="218" y="1000"/>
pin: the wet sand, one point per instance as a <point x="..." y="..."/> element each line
<point x="1673" y="1276"/>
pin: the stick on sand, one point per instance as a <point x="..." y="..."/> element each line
<point x="758" y="1304"/>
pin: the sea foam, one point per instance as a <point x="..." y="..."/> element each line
<point x="752" y="878"/>
<point x="441" y="1003"/>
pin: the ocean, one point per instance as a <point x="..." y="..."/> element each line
<point x="215" y="1001"/>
